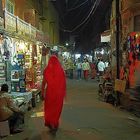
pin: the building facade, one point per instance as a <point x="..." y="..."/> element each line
<point x="130" y="17"/>
<point x="129" y="37"/>
<point x="27" y="29"/>
<point x="40" y="14"/>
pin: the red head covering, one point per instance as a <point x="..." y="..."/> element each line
<point x="54" y="77"/>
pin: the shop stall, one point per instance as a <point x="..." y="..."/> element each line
<point x="131" y="60"/>
<point x="2" y="63"/>
<point x="133" y="57"/>
<point x="26" y="72"/>
<point x="20" y="60"/>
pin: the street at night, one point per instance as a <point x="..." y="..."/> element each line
<point x="84" y="117"/>
<point x="70" y="69"/>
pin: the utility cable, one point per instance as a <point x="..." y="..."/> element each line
<point x="93" y="9"/>
<point x="90" y="14"/>
<point x="75" y="3"/>
<point x="98" y="2"/>
<point x="74" y="8"/>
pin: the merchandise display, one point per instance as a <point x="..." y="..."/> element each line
<point x="33" y="68"/>
<point x="18" y="75"/>
<point x="2" y="62"/>
<point x="20" y="68"/>
<point x="2" y="70"/>
<point x="20" y="59"/>
<point x="133" y="45"/>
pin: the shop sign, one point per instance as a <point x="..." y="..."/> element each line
<point x="10" y="22"/>
<point x="105" y="38"/>
<point x="33" y="32"/>
<point x="23" y="28"/>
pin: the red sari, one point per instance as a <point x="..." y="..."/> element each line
<point x="93" y="71"/>
<point x="54" y="77"/>
<point x="131" y="76"/>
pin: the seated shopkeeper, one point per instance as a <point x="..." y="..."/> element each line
<point x="9" y="111"/>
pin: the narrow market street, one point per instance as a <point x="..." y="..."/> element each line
<point x="83" y="117"/>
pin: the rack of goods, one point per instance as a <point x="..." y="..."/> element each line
<point x="2" y="70"/>
<point x="18" y="75"/>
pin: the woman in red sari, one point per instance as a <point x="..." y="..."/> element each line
<point x="54" y="78"/>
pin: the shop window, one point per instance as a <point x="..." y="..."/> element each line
<point x="137" y="23"/>
<point x="9" y="6"/>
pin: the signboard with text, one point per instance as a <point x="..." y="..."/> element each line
<point x="23" y="28"/>
<point x="33" y="32"/>
<point x="1" y="23"/>
<point x="10" y="22"/>
<point x="13" y="24"/>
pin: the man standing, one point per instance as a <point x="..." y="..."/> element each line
<point x="54" y="79"/>
<point x="85" y="68"/>
<point x="79" y="68"/>
<point x="101" y="67"/>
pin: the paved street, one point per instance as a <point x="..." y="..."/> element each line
<point x="84" y="117"/>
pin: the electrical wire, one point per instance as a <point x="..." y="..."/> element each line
<point x="67" y="12"/>
<point x="76" y="16"/>
<point x="76" y="1"/>
<point x="98" y="2"/>
<point x="89" y="15"/>
<point x="74" y="8"/>
<point x="92" y="11"/>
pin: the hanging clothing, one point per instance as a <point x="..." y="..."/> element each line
<point x="93" y="70"/>
<point x="54" y="78"/>
<point x="121" y="73"/>
<point x="131" y="76"/>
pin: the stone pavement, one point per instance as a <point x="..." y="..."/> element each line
<point x="83" y="117"/>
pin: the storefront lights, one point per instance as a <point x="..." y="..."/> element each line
<point x="21" y="46"/>
<point x="67" y="44"/>
<point x="77" y="56"/>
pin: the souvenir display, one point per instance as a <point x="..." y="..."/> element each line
<point x="2" y="71"/>
<point x="2" y="63"/>
<point x="133" y="56"/>
<point x="20" y="57"/>
<point x="134" y="46"/>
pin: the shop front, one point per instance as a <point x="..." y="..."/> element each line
<point x="20" y="59"/>
<point x="134" y="58"/>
